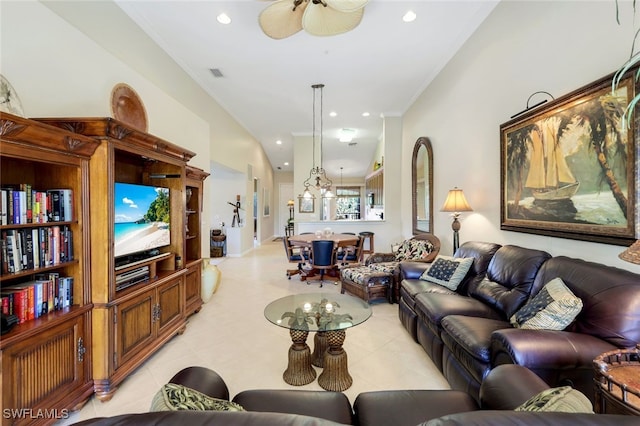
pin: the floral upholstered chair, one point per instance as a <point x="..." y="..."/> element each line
<point x="419" y="248"/>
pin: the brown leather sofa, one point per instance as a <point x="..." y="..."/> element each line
<point x="467" y="333"/>
<point x="411" y="286"/>
<point x="505" y="388"/>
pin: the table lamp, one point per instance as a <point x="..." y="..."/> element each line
<point x="456" y="203"/>
<point x="632" y="253"/>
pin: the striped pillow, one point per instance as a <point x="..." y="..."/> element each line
<point x="553" y="308"/>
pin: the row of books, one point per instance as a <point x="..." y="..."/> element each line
<point x="29" y="248"/>
<point x="22" y="204"/>
<point x="32" y="299"/>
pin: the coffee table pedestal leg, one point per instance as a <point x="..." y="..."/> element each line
<point x="335" y="376"/>
<point x="299" y="371"/>
<point x="319" y="348"/>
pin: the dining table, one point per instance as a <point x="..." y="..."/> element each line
<point x="304" y="240"/>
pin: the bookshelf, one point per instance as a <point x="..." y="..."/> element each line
<point x="46" y="158"/>
<point x="129" y="324"/>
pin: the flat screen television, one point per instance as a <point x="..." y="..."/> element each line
<point x="142" y="218"/>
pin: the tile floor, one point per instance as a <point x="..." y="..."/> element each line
<point x="231" y="336"/>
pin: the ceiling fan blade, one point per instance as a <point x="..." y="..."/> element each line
<point x="325" y="21"/>
<point x="346" y="5"/>
<point x="279" y="20"/>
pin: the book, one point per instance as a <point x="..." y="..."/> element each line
<point x="16" y="207"/>
<point x="28" y="248"/>
<point x="22" y="247"/>
<point x="4" y="264"/>
<point x="15" y="265"/>
<point x="43" y="240"/>
<point x="23" y="206"/>
<point x="52" y="279"/>
<point x="4" y="214"/>
<point x="20" y="302"/>
<point x="28" y="202"/>
<point x="9" y="206"/>
<point x="56" y="205"/>
<point x="55" y="245"/>
<point x="5" y="305"/>
<point x="35" y="237"/>
<point x="37" y="299"/>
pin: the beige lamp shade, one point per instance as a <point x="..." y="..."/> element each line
<point x="456" y="202"/>
<point x="632" y="254"/>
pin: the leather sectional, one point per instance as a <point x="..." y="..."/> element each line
<point x="503" y="390"/>
<point x="467" y="332"/>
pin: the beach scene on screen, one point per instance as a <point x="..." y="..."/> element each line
<point x="142" y="218"/>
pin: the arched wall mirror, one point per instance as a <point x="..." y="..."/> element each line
<point x="422" y="186"/>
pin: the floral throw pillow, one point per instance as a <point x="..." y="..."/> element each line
<point x="553" y="308"/>
<point x="564" y="399"/>
<point x="413" y="249"/>
<point x="174" y="397"/>
<point x="447" y="271"/>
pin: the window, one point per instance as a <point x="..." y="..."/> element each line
<point x="347" y="202"/>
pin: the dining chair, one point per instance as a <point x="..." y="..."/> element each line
<point x="323" y="258"/>
<point x="288" y="230"/>
<point x="352" y="254"/>
<point x="296" y="255"/>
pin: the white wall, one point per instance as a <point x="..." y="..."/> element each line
<point x="523" y="47"/>
<point x="64" y="67"/>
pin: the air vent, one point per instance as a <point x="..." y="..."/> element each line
<point x="353" y="143"/>
<point x="216" y="72"/>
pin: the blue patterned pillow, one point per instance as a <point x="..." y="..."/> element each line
<point x="447" y="271"/>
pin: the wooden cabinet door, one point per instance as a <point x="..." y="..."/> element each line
<point x="171" y="300"/>
<point x="134" y="325"/>
<point x="47" y="370"/>
<point x="192" y="284"/>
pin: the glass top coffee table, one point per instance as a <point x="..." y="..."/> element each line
<point x="329" y="315"/>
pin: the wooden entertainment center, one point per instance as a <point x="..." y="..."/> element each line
<point x="115" y="328"/>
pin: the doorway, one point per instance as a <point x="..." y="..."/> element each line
<point x="255" y="210"/>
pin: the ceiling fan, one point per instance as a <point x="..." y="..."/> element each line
<point x="284" y="18"/>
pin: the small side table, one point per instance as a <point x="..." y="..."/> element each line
<point x="218" y="246"/>
<point x="617" y="382"/>
<point x="329" y="315"/>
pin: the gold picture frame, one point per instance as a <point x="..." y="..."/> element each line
<point x="568" y="168"/>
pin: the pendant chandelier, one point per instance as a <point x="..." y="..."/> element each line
<point x="317" y="176"/>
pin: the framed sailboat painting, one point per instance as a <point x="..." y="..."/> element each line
<point x="568" y="168"/>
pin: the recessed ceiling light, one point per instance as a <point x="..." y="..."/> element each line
<point x="224" y="19"/>
<point x="333" y="114"/>
<point x="410" y="16"/>
<point x="279" y="142"/>
<point x="286" y="163"/>
<point x="365" y="114"/>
